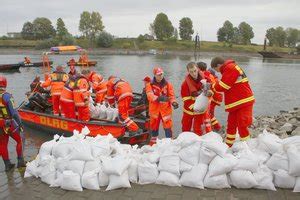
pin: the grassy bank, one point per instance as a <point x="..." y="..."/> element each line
<point x="133" y="44"/>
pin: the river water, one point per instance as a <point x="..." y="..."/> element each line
<point x="275" y="82"/>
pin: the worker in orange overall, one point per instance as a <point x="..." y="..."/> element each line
<point x="216" y="98"/>
<point x="161" y="98"/>
<point x="191" y="88"/>
<point x="27" y="60"/>
<point x="98" y="85"/>
<point x="81" y="93"/>
<point x="239" y="99"/>
<point x="56" y="81"/>
<point x="67" y="99"/>
<point x="119" y="92"/>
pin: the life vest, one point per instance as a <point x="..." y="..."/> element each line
<point x="67" y="92"/>
<point x="4" y="112"/>
<point x="58" y="77"/>
<point x="118" y="89"/>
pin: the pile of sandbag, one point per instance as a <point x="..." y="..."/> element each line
<point x="101" y="111"/>
<point x="81" y="162"/>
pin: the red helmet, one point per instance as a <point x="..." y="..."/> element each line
<point x="3" y="82"/>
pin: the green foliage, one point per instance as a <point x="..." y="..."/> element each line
<point x="46" y="44"/>
<point x="140" y="39"/>
<point x="171" y="40"/>
<point x="126" y="45"/>
<point x="163" y="27"/>
<point x="28" y="31"/>
<point x="90" y="24"/>
<point x="67" y="40"/>
<point x="246" y="33"/>
<point x="236" y="36"/>
<point x="186" y="28"/>
<point x="61" y="30"/>
<point x="175" y="36"/>
<point x="105" y="40"/>
<point x="298" y="49"/>
<point x="293" y="36"/>
<point x="276" y="37"/>
<point x="43" y="28"/>
<point x="226" y="32"/>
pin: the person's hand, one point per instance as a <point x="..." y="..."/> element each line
<point x="209" y="93"/>
<point x="196" y="93"/>
<point x="175" y="105"/>
<point x="163" y="98"/>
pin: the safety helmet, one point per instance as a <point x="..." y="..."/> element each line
<point x="3" y="82"/>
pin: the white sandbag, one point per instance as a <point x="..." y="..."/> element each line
<point x="264" y="178"/>
<point x="59" y="179"/>
<point x="91" y="166"/>
<point x="152" y="157"/>
<point x="222" y="165"/>
<point x="103" y="178"/>
<point x="102" y="111"/>
<point x="283" y="180"/>
<point x="216" y="182"/>
<point x="81" y="151"/>
<point x="90" y="180"/>
<point x="148" y="172"/>
<point x="268" y="142"/>
<point x="62" y="148"/>
<point x="252" y="143"/>
<point x="76" y="166"/>
<point x="166" y="178"/>
<point x="194" y="177"/>
<point x="278" y="160"/>
<point x="115" y="114"/>
<point x="133" y="171"/>
<point x="219" y="148"/>
<point x="46" y="147"/>
<point x="109" y="113"/>
<point x="48" y="174"/>
<point x="242" y="179"/>
<point x="297" y="185"/>
<point x="85" y="131"/>
<point x="169" y="163"/>
<point x="187" y="138"/>
<point x="31" y="169"/>
<point x="261" y="156"/>
<point x="183" y="167"/>
<point x="166" y="145"/>
<point x="71" y="181"/>
<point x="101" y="148"/>
<point x="212" y="136"/>
<point x="202" y="101"/>
<point x="246" y="161"/>
<point x="293" y="154"/>
<point x="62" y="163"/>
<point x="190" y="154"/>
<point x="116" y="181"/>
<point x="206" y="155"/>
<point x="117" y="165"/>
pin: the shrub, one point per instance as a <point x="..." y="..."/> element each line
<point x="105" y="40"/>
<point x="45" y="44"/>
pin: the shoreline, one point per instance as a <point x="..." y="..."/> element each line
<point x="101" y="51"/>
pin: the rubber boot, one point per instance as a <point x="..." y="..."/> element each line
<point x="21" y="162"/>
<point x="8" y="165"/>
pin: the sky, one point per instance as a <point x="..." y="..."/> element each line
<point x="129" y="18"/>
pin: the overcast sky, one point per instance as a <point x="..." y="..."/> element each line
<point x="130" y="18"/>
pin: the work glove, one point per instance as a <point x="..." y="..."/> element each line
<point x="196" y="93"/>
<point x="163" y="98"/>
<point x="175" y="105"/>
<point x="209" y="93"/>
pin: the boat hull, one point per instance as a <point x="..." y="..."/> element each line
<point x="89" y="64"/>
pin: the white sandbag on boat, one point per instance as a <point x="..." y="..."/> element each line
<point x="278" y="160"/>
<point x="268" y="142"/>
<point x="115" y="114"/>
<point x="46" y="147"/>
<point x="148" y="173"/>
<point x="90" y="180"/>
<point x="206" y="155"/>
<point x="71" y="181"/>
<point x="264" y="178"/>
<point x="183" y="167"/>
<point x="194" y="177"/>
<point x="169" y="162"/>
<point x="216" y="182"/>
<point x="242" y="179"/>
<point x="293" y="154"/>
<point x="222" y="165"/>
<point x="190" y="154"/>
<point x="109" y="113"/>
<point x="167" y="178"/>
<point x="116" y="181"/>
<point x="117" y="165"/>
<point x="297" y="185"/>
<point x="76" y="166"/>
<point x="102" y="111"/>
<point x="283" y="180"/>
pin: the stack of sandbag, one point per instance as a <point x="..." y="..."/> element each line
<point x="101" y="111"/>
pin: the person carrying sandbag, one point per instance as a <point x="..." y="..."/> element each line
<point x="239" y="99"/>
<point x="191" y="89"/>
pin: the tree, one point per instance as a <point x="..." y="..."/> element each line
<point x="246" y="33"/>
<point x="84" y="23"/>
<point x="293" y="36"/>
<point x="27" y="31"/>
<point x="151" y="29"/>
<point x="236" y="36"/>
<point x="163" y="27"/>
<point x="280" y="36"/>
<point x="225" y="33"/>
<point x="96" y="24"/>
<point x="270" y="34"/>
<point x="61" y="30"/>
<point x="105" y="39"/>
<point x="186" y="28"/>
<point x="43" y="28"/>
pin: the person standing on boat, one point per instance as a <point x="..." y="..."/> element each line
<point x="216" y="98"/>
<point x="11" y="126"/>
<point x="81" y="93"/>
<point x="98" y="85"/>
<point x="67" y="98"/>
<point x="239" y="99"/>
<point x="56" y="81"/>
<point x="72" y="71"/>
<point x="161" y="98"/>
<point x="119" y="92"/>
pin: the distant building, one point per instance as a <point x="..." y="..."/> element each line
<point x="14" y="35"/>
<point x="148" y="37"/>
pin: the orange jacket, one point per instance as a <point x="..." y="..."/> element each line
<point x="153" y="91"/>
<point x="81" y="91"/>
<point x="56" y="81"/>
<point x="99" y="85"/>
<point x="189" y="89"/>
<point x="117" y="89"/>
<point x="67" y="91"/>
<point x="234" y="83"/>
<point x="217" y="97"/>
